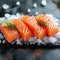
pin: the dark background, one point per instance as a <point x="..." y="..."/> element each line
<point x="51" y="7"/>
<point x="26" y="54"/>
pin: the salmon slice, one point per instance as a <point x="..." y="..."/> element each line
<point x="23" y="29"/>
<point x="52" y="28"/>
<point x="0" y="27"/>
<point x="24" y="17"/>
<point x="32" y="24"/>
<point x="9" y="34"/>
<point x="42" y="17"/>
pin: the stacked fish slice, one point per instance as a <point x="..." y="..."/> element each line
<point x="40" y="29"/>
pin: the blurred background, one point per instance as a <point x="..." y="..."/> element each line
<point x="29" y="7"/>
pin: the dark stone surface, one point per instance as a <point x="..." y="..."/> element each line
<point x="26" y="54"/>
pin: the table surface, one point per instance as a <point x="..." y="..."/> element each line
<point x="32" y="54"/>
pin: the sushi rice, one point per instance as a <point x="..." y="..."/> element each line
<point x="32" y="40"/>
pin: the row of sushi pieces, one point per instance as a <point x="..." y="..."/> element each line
<point x="37" y="29"/>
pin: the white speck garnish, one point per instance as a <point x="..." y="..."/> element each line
<point x="5" y="6"/>
<point x="18" y="3"/>
<point x="18" y="14"/>
<point x="36" y="13"/>
<point x="28" y="10"/>
<point x="35" y="5"/>
<point x="7" y="15"/>
<point x="44" y="2"/>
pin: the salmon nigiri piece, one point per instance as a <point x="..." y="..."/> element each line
<point x="24" y="31"/>
<point x="9" y="34"/>
<point x="32" y="24"/>
<point x="51" y="27"/>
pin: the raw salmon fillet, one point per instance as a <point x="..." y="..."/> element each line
<point x="52" y="28"/>
<point x="9" y="34"/>
<point x="0" y="27"/>
<point x="24" y="31"/>
<point x="32" y="24"/>
<point x="24" y="17"/>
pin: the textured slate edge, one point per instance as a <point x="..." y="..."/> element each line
<point x="30" y="46"/>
